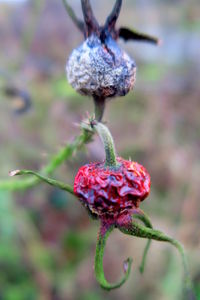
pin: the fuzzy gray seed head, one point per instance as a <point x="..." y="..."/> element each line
<point x="101" y="69"/>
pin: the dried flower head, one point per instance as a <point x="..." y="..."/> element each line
<point x="111" y="192"/>
<point x="99" y="67"/>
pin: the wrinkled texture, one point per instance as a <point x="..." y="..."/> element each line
<point x="112" y="191"/>
<point x="101" y="69"/>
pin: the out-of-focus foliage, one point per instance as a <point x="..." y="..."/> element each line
<point x="47" y="241"/>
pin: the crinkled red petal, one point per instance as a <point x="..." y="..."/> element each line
<point x="112" y="191"/>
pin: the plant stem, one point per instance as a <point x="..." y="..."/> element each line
<point x="64" y="154"/>
<point x="140" y="215"/>
<point x="99" y="106"/>
<point x="50" y="181"/>
<point x="99" y="272"/>
<point x="138" y="230"/>
<point x="108" y="143"/>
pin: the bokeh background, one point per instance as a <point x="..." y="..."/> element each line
<point x="47" y="242"/>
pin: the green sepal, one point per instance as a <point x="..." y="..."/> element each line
<point x="53" y="182"/>
<point x="63" y="155"/>
<point x="140" y="215"/>
<point x="104" y="233"/>
<point x="138" y="230"/>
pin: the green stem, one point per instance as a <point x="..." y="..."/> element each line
<point x="144" y="232"/>
<point x="108" y="143"/>
<point x="50" y="181"/>
<point x="140" y="215"/>
<point x="64" y="154"/>
<point x="99" y="272"/>
<point x="68" y="151"/>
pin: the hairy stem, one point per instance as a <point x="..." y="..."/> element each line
<point x="99" y="272"/>
<point x="64" y="154"/>
<point x="144" y="232"/>
<point x="53" y="182"/>
<point x="108" y="143"/>
<point x="140" y="215"/>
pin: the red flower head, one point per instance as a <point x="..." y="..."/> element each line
<point x="111" y="192"/>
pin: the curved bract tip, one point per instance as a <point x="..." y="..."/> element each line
<point x="128" y="34"/>
<point x="112" y="18"/>
<point x="91" y="24"/>
<point x="99" y="271"/>
<point x="138" y="230"/>
<point x="140" y="215"/>
<point x="73" y="16"/>
<point x="43" y="178"/>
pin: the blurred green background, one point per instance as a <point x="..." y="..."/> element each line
<point x="47" y="242"/>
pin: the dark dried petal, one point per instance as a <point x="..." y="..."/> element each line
<point x="130" y="34"/>
<point x="112" y="18"/>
